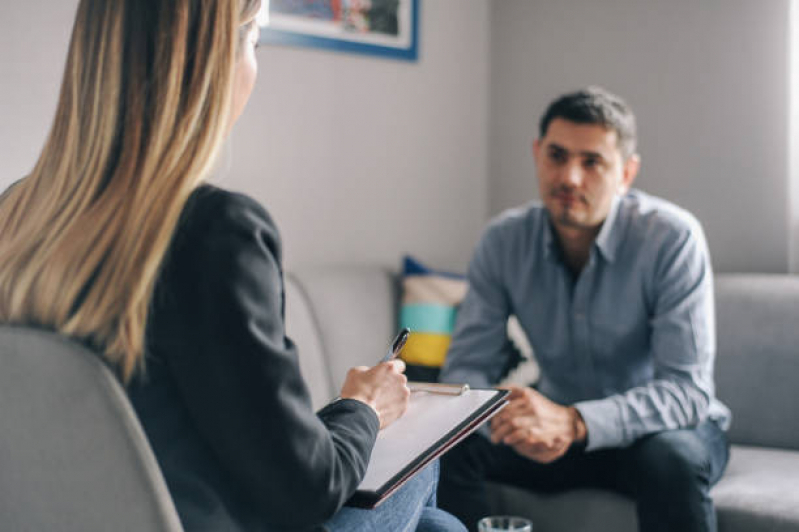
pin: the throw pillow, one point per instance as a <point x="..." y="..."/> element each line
<point x="429" y="305"/>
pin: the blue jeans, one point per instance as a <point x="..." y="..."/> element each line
<point x="411" y="508"/>
<point x="668" y="474"/>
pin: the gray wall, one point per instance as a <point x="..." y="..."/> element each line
<point x="361" y="159"/>
<point x="708" y="81"/>
<point x="358" y="158"/>
<point x="34" y="35"/>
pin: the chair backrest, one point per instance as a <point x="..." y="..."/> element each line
<point x="757" y="366"/>
<point x="73" y="455"/>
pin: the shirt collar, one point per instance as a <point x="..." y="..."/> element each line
<point x="609" y="237"/>
<point x="607" y="241"/>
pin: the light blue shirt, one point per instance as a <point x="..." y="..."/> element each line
<point x="630" y="342"/>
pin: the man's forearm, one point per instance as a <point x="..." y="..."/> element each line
<point x="619" y="420"/>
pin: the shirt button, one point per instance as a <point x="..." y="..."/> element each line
<point x="579" y="315"/>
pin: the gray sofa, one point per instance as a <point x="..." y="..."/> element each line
<point x="341" y="317"/>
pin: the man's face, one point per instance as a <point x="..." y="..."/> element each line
<point x="580" y="169"/>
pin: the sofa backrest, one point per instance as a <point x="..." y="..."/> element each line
<point x="72" y="453"/>
<point x="303" y="328"/>
<point x="757" y="361"/>
<point x="352" y="312"/>
<point x="342" y="317"/>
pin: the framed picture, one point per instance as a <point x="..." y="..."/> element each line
<point x="381" y="27"/>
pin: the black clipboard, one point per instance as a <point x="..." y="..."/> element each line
<point x="445" y="420"/>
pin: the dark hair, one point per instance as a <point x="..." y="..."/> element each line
<point x="595" y="105"/>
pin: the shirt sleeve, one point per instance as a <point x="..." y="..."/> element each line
<point x="480" y="352"/>
<point x="239" y="375"/>
<point x="682" y="327"/>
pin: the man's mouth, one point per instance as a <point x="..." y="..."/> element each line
<point x="568" y="199"/>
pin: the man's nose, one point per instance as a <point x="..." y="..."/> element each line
<point x="572" y="175"/>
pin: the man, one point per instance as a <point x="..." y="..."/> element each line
<point x="614" y="289"/>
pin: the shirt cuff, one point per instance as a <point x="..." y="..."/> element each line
<point x="603" y="423"/>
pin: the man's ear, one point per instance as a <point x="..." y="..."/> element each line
<point x="536" y="149"/>
<point x="629" y="172"/>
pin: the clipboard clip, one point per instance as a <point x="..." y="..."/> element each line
<point x="438" y="388"/>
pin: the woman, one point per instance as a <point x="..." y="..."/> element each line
<point x="113" y="240"/>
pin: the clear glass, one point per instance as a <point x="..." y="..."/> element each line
<point x="504" y="523"/>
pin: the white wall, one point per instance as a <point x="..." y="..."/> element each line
<point x="358" y="158"/>
<point x="361" y="159"/>
<point x="34" y="36"/>
<point x="708" y="81"/>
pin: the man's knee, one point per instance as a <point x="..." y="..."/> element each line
<point x="671" y="461"/>
<point x="467" y="460"/>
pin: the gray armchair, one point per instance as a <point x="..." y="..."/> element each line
<point x="73" y="456"/>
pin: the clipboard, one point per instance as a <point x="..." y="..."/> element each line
<point x="433" y="424"/>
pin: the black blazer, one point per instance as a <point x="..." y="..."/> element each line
<point x="222" y="400"/>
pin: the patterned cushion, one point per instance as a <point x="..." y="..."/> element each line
<point x="429" y="305"/>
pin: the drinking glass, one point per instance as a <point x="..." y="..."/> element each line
<point x="504" y="523"/>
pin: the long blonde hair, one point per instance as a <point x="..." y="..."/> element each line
<point x="143" y="110"/>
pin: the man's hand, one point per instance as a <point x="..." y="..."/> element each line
<point x="536" y="427"/>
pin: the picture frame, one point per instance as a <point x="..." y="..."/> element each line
<point x="386" y="28"/>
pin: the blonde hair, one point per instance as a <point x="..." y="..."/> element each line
<point x="143" y="110"/>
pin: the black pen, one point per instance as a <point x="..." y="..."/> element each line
<point x="397" y="345"/>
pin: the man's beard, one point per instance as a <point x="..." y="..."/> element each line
<point x="567" y="218"/>
<point x="566" y="213"/>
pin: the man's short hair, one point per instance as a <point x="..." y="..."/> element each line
<point x="595" y="105"/>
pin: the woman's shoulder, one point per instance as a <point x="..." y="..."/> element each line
<point x="223" y="221"/>
<point x="214" y="206"/>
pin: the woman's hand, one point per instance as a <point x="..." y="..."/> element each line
<point x="383" y="387"/>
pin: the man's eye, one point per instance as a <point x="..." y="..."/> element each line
<point x="591" y="163"/>
<point x="557" y="157"/>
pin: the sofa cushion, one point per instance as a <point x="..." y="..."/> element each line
<point x="758" y="357"/>
<point x="759" y="491"/>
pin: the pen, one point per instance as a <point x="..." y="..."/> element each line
<point x="438" y="388"/>
<point x="397" y="345"/>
